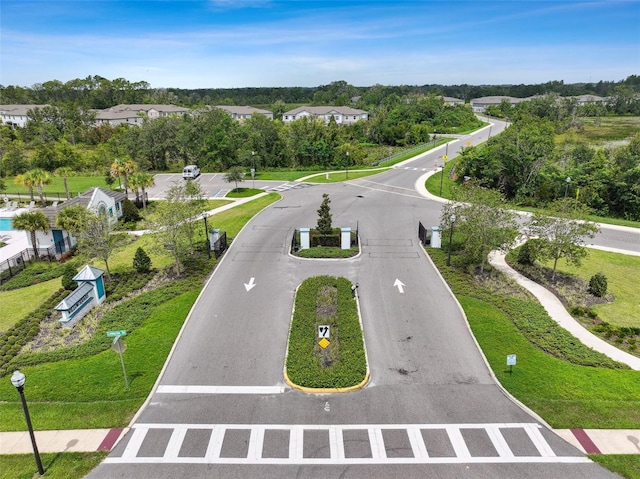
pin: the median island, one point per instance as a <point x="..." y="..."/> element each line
<point x="326" y="346"/>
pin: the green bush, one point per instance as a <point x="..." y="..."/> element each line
<point x="141" y="261"/>
<point x="130" y="212"/>
<point x="67" y="277"/>
<point x="598" y="285"/>
<point x="528" y="252"/>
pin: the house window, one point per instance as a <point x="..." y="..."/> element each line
<point x="117" y="206"/>
<point x="111" y="212"/>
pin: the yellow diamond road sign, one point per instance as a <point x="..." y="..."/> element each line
<point x="324" y="342"/>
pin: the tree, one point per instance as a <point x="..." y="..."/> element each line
<point x="141" y="261"/>
<point x="324" y="216"/>
<point x="97" y="240"/>
<point x="142" y="181"/>
<point x="562" y="232"/>
<point x="73" y="219"/>
<point x="32" y="221"/>
<point x="26" y="181"/>
<point x="482" y="221"/>
<point x="65" y="172"/>
<point x="174" y="221"/>
<point x="40" y="178"/>
<point x="234" y="175"/>
<point x="123" y="168"/>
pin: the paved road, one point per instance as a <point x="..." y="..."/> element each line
<point x="431" y="409"/>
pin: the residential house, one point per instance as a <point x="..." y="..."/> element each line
<point x="97" y="200"/>
<point x="134" y="114"/>
<point x="448" y="100"/>
<point x="480" y="105"/>
<point x="16" y="115"/>
<point x="244" y="112"/>
<point x="343" y="115"/>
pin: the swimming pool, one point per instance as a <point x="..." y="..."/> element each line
<point x="5" y="224"/>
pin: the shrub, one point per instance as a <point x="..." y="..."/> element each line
<point x="528" y="252"/>
<point x="67" y="277"/>
<point x="129" y="211"/>
<point x="598" y="285"/>
<point x="324" y="216"/>
<point x="141" y="261"/>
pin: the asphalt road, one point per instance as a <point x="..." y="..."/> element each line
<point x="431" y="408"/>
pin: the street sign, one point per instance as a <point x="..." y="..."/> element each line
<point x="118" y="345"/>
<point x="113" y="334"/>
<point x="445" y="157"/>
<point x="323" y="331"/>
<point x="511" y="359"/>
<point x="324" y="342"/>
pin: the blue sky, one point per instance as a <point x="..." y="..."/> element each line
<point x="272" y="43"/>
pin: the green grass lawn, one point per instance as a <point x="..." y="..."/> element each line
<point x="566" y="395"/>
<point x="232" y="220"/>
<point x="337" y="176"/>
<point x="63" y="465"/>
<point x="622" y="272"/>
<point x="122" y="259"/>
<point x="90" y="392"/>
<point x="77" y="184"/>
<point x="627" y="465"/>
<point x="243" y="192"/>
<point x="16" y="304"/>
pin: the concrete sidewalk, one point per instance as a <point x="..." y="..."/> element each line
<point x="589" y="441"/>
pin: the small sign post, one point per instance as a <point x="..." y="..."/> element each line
<point x="323" y="335"/>
<point x="119" y="346"/>
<point x="511" y="361"/>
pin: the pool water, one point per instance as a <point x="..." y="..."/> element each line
<point x="5" y="224"/>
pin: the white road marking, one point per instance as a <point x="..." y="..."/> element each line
<point x="336" y="445"/>
<point x="169" y="389"/>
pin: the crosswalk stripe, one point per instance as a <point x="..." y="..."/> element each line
<point x="337" y="453"/>
<point x="215" y="443"/>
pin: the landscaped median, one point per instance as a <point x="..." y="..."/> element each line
<point x="326" y="309"/>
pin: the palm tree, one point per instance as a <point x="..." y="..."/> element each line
<point x="65" y="172"/>
<point x="142" y="181"/>
<point x="40" y="178"/>
<point x="123" y="168"/>
<point x="26" y="181"/>
<point x="32" y="221"/>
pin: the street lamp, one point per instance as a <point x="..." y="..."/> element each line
<point x="347" y="168"/>
<point x="206" y="234"/>
<point x="453" y="220"/>
<point x="18" y="380"/>
<point x="253" y="171"/>
<point x="566" y="189"/>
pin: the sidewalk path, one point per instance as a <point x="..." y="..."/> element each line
<point x="559" y="314"/>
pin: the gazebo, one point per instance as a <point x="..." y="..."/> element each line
<point x="89" y="293"/>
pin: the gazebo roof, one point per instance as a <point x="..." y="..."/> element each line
<point x="74" y="297"/>
<point x="88" y="273"/>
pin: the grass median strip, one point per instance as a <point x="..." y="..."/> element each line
<point x="326" y="301"/>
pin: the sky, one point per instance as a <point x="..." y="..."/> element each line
<point x="306" y="43"/>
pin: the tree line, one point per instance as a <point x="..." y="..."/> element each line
<point x="97" y="92"/>
<point x="57" y="137"/>
<point x="530" y="166"/>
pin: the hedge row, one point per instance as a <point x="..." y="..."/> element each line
<point x="530" y="318"/>
<point x="24" y="331"/>
<point x="305" y="366"/>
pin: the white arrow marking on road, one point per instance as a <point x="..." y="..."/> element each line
<point x="400" y="285"/>
<point x="250" y="285"/>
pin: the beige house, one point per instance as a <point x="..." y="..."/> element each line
<point x="16" y="115"/>
<point x="343" y="115"/>
<point x="135" y="113"/>
<point x="240" y="113"/>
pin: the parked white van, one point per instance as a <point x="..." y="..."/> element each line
<point x="190" y="172"/>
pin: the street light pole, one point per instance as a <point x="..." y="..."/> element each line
<point x="253" y="169"/>
<point x="206" y="233"/>
<point x="453" y="220"/>
<point x="347" y="168"/>
<point x="18" y="380"/>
